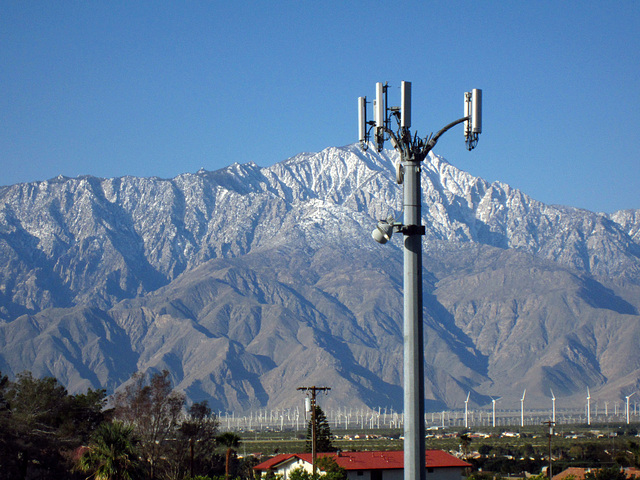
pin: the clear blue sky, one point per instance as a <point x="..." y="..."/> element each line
<point x="160" y="88"/>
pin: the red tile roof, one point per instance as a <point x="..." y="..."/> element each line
<point x="273" y="461"/>
<point x="580" y="473"/>
<point x="383" y="460"/>
<point x="632" y="472"/>
<point x="577" y="472"/>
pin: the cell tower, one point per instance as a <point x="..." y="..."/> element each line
<point x="413" y="150"/>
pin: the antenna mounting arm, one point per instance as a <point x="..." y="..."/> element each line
<point x="431" y="142"/>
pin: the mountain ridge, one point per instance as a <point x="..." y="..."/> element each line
<point x="246" y="281"/>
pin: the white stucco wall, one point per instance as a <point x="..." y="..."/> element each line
<point x="285" y="468"/>
<point x="450" y="473"/>
<point x="398" y="474"/>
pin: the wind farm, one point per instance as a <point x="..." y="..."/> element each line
<point x="496" y="413"/>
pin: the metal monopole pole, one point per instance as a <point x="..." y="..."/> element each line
<point x="413" y="151"/>
<point x="414" y="430"/>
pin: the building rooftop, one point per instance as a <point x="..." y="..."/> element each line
<point x="380" y="460"/>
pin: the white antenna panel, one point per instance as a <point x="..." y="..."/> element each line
<point x="405" y="105"/>
<point x="379" y="106"/>
<point x="476" y="110"/>
<point x="362" y="118"/>
<point x="307" y="404"/>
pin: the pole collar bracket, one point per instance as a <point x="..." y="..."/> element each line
<point x="413" y="230"/>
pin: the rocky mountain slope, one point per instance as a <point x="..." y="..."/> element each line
<point x="248" y="282"/>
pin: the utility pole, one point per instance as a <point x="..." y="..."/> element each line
<point x="413" y="150"/>
<point x="312" y="391"/>
<point x="550" y="424"/>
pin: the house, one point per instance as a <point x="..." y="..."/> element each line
<point x="576" y="473"/>
<point x="368" y="465"/>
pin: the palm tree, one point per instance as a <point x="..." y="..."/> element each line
<point x="111" y="454"/>
<point x="231" y="441"/>
<point x="465" y="441"/>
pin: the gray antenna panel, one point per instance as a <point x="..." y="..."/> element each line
<point x="467" y="113"/>
<point x="405" y="105"/>
<point x="476" y="110"/>
<point x="362" y="118"/>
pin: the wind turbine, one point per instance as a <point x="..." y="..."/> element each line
<point x="588" y="407"/>
<point x="522" y="408"/>
<point x="493" y="406"/>
<point x="553" y="407"/>
<point x="628" y="397"/>
<point x="466" y="403"/>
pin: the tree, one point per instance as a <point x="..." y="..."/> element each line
<point x="9" y="453"/>
<point x="111" y="454"/>
<point x="41" y="424"/>
<point x="38" y="403"/>
<point x="85" y="413"/>
<point x="611" y="473"/>
<point x="323" y="433"/>
<point x="153" y="409"/>
<point x="481" y="476"/>
<point x="37" y="427"/>
<point x="300" y="473"/>
<point x="539" y="476"/>
<point x="331" y="469"/>
<point x="634" y="449"/>
<point x="4" y="383"/>
<point x="197" y="439"/>
<point x="485" y="449"/>
<point x="465" y="441"/>
<point x="231" y="441"/>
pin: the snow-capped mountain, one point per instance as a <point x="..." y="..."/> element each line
<point x="247" y="282"/>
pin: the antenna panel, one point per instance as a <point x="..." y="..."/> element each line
<point x="467" y="113"/>
<point x="476" y="110"/>
<point x="362" y="118"/>
<point x="405" y="105"/>
<point x="379" y="106"/>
